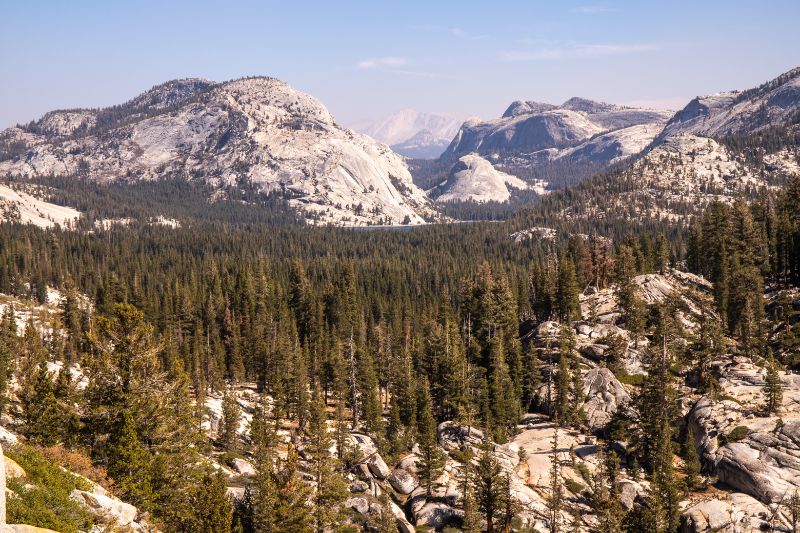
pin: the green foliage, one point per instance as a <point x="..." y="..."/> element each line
<point x="129" y="463"/>
<point x="773" y="387"/>
<point x="735" y="435"/>
<point x="431" y="461"/>
<point x="574" y="487"/>
<point x="46" y="502"/>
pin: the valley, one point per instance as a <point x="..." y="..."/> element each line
<point x="223" y="311"/>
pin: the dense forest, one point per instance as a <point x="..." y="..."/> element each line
<point x="389" y="332"/>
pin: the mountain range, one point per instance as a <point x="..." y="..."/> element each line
<point x="261" y="132"/>
<point x="257" y="130"/>
<point x="415" y="134"/>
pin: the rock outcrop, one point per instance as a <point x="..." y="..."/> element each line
<point x="259" y="130"/>
<point x="604" y="395"/>
<point x="752" y="452"/>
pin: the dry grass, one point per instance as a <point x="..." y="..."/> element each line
<point x="80" y="464"/>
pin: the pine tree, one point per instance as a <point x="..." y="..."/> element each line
<point x="555" y="498"/>
<point x="371" y="407"/>
<point x="662" y="254"/>
<point x="41" y="412"/>
<point x="291" y="512"/>
<point x="793" y="508"/>
<point x="489" y="481"/>
<point x="231" y="417"/>
<point x="264" y="493"/>
<point x="129" y="464"/>
<point x="606" y="494"/>
<point x="567" y="300"/>
<point x="563" y="405"/>
<point x="773" y="387"/>
<point x="531" y="379"/>
<point x="214" y="506"/>
<point x="471" y="522"/>
<point x="431" y="461"/>
<point x="691" y="461"/>
<point x="509" y="506"/>
<point x="331" y="488"/>
<point x="504" y="402"/>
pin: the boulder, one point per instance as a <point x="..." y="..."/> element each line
<point x="604" y="395"/>
<point x="358" y="486"/>
<point x="6" y="437"/>
<point x="737" y="512"/>
<point x="409" y="463"/>
<point x="378" y="467"/>
<point x="235" y="493"/>
<point x="548" y="329"/>
<point x="763" y="461"/>
<point x="13" y="470"/>
<point x="402" y="481"/>
<point x="629" y="490"/>
<point x="366" y="449"/>
<point x="596" y="352"/>
<point x="358" y="503"/>
<point x="243" y="467"/>
<point x="452" y="436"/>
<point x="403" y="525"/>
<point x="434" y="514"/>
<point x="603" y="330"/>
<point x="122" y="513"/>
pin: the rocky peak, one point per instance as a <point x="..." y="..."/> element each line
<point x="522" y="107"/>
<point x="587" y="106"/>
<point x="171" y="93"/>
<point x="273" y="99"/>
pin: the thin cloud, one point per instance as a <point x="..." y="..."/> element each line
<point x="576" y="51"/>
<point x="381" y="62"/>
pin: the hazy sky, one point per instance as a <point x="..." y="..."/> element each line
<point x="365" y="60"/>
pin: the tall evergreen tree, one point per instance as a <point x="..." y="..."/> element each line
<point x="773" y="387"/>
<point x="129" y="463"/>
<point x="431" y="462"/>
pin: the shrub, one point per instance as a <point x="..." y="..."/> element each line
<point x="42" y="498"/>
<point x="583" y="470"/>
<point x="635" y="380"/>
<point x="573" y="486"/>
<point x="737" y="434"/>
<point x="80" y="464"/>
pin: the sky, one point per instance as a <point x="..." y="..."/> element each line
<point x="366" y="60"/>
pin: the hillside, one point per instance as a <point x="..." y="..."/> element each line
<point x="474" y="179"/>
<point x="740" y="112"/>
<point x="531" y="134"/>
<point x="253" y="130"/>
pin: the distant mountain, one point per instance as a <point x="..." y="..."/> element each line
<point x="415" y="134"/>
<point x="528" y="128"/>
<point x="474" y="179"/>
<point x="737" y="112"/>
<point x="256" y="130"/>
<point x="722" y="147"/>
